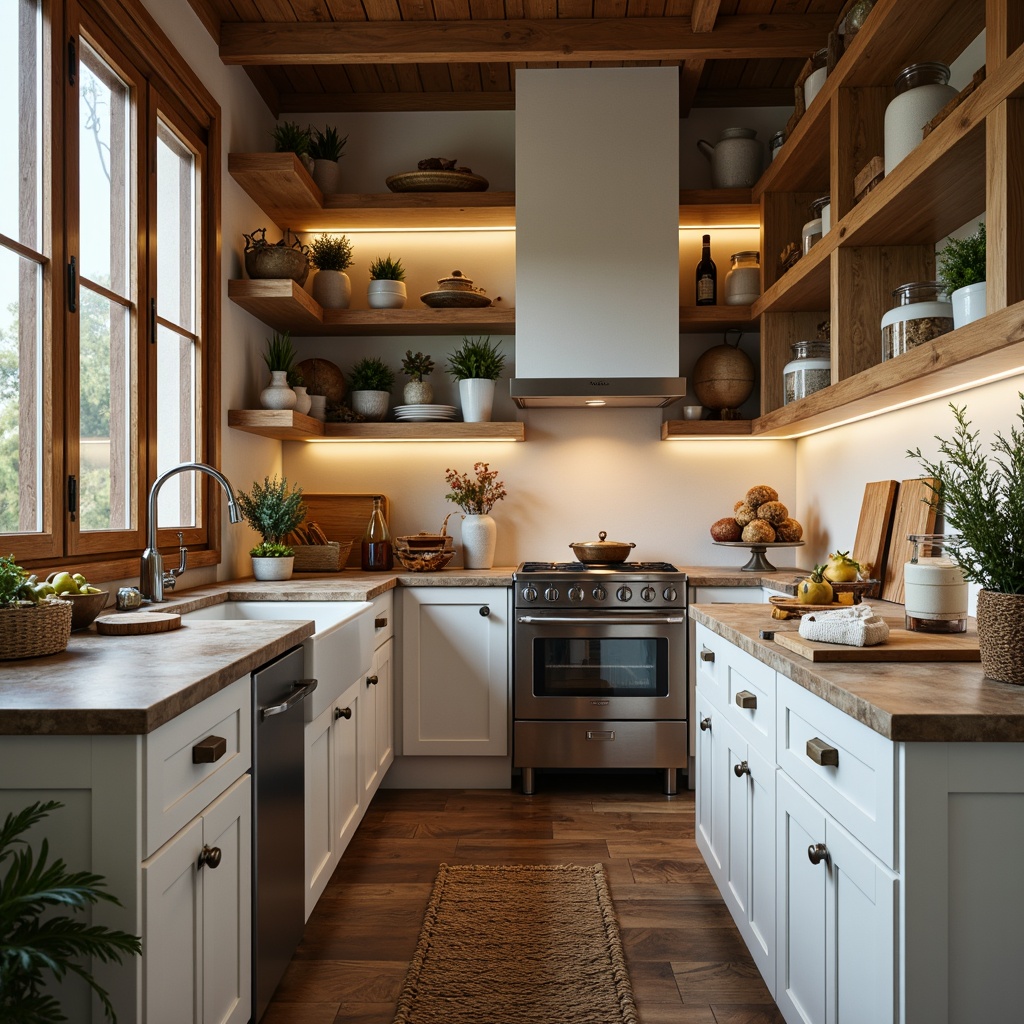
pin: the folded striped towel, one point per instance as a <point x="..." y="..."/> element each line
<point x="856" y="626"/>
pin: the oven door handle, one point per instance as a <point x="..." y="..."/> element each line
<point x="618" y="620"/>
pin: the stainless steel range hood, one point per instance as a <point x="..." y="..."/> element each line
<point x="597" y="237"/>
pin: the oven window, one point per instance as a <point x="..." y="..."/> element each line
<point x="594" y="667"/>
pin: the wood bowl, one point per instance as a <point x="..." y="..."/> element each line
<point x="85" y="607"/>
<point x="424" y="561"/>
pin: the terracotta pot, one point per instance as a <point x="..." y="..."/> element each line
<point x="1000" y="627"/>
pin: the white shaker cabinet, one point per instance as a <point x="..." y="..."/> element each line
<point x="377" y="720"/>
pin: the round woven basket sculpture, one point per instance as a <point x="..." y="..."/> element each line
<point x="31" y="631"/>
<point x="1000" y="628"/>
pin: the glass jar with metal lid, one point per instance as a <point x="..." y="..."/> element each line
<point x="811" y="231"/>
<point x="743" y="282"/>
<point x="922" y="312"/>
<point x="922" y="90"/>
<point x="808" y="371"/>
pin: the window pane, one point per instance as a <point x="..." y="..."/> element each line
<point x="21" y="388"/>
<point x="176" y="229"/>
<point x="104" y="173"/>
<point x="20" y="156"/>
<point x="105" y="416"/>
<point x="176" y="439"/>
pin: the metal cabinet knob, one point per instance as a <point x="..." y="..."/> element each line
<point x="342" y="713"/>
<point x="706" y="654"/>
<point x="209" y="857"/>
<point x="371" y="680"/>
<point x="747" y="700"/>
<point x="705" y="724"/>
<point x="822" y="753"/>
<point x="818" y="852"/>
<point x="485" y="611"/>
<point x="741" y="769"/>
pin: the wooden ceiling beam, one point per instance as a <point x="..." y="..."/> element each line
<point x="735" y="37"/>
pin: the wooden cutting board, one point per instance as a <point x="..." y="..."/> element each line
<point x="902" y="645"/>
<point x="874" y="527"/>
<point x="343" y="517"/>
<point x="137" y="623"/>
<point x="913" y="515"/>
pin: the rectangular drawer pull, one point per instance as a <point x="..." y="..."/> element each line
<point x="603" y="734"/>
<point x="213" y="748"/>
<point x="380" y="622"/>
<point x="746" y="699"/>
<point x="821" y="753"/>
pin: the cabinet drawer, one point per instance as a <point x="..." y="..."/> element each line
<point x="856" y="781"/>
<point x="383" y="618"/>
<point x="177" y="788"/>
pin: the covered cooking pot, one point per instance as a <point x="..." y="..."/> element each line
<point x="602" y="551"/>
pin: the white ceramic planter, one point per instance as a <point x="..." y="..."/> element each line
<point x="477" y="398"/>
<point x="302" y="399"/>
<point x="418" y="392"/>
<point x="327" y="175"/>
<point x="277" y="394"/>
<point x="479" y="539"/>
<point x="968" y="304"/>
<point x="385" y="294"/>
<point x="371" y="405"/>
<point x="332" y="289"/>
<point x="273" y="568"/>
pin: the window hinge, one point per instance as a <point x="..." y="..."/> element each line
<point x="72" y="62"/>
<point x="72" y="285"/>
<point x="72" y="496"/>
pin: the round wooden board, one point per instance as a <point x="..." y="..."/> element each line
<point x="135" y="623"/>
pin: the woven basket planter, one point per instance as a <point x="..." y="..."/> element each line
<point x="1000" y="628"/>
<point x="33" y="631"/>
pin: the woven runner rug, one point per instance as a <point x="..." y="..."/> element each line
<point x="518" y="945"/>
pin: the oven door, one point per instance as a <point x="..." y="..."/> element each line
<point x="582" y="665"/>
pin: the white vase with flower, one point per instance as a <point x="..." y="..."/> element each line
<point x="476" y="496"/>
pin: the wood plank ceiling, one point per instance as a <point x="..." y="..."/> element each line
<point x="381" y="55"/>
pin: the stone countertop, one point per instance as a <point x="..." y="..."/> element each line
<point x="930" y="701"/>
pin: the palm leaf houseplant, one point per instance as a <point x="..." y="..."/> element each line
<point x="476" y="365"/>
<point x="331" y="255"/>
<point x="386" y="289"/>
<point x="40" y="939"/>
<point x="370" y="382"/>
<point x="476" y="495"/>
<point x="326" y="148"/>
<point x="416" y="366"/>
<point x="291" y="137"/>
<point x="981" y="497"/>
<point x="273" y="511"/>
<point x="279" y="355"/>
<point x="961" y="266"/>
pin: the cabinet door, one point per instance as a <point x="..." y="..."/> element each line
<point x="384" y="706"/>
<point x="320" y="800"/>
<point x="455" y="670"/>
<point x="710" y="797"/>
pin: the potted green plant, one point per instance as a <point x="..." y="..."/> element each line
<point x="476" y="365"/>
<point x="273" y="511"/>
<point x="279" y="356"/>
<point x="476" y="495"/>
<point x="386" y="289"/>
<point x="961" y="263"/>
<point x="332" y="256"/>
<point x="35" y="940"/>
<point x="290" y="137"/>
<point x="370" y="382"/>
<point x="325" y="147"/>
<point x="417" y="366"/>
<point x="982" y="499"/>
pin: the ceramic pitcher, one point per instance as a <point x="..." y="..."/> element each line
<point x="735" y="158"/>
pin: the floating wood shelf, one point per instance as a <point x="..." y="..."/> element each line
<point x="672" y="430"/>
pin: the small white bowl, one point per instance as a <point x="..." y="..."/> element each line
<point x="693" y="412"/>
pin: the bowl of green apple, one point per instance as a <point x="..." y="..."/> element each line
<point x="86" y="600"/>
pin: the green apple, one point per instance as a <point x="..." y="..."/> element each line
<point x="64" y="583"/>
<point x="79" y="579"/>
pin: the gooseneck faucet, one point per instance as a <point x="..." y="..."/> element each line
<point x="151" y="572"/>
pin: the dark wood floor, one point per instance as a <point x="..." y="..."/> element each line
<point x="686" y="959"/>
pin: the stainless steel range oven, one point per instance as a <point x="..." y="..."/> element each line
<point x="599" y="664"/>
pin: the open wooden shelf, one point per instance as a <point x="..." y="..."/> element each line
<point x="672" y="430"/>
<point x="288" y="425"/>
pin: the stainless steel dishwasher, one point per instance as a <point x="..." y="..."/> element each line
<point x="278" y="870"/>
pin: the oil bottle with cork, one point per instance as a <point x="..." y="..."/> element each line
<point x="376" y="553"/>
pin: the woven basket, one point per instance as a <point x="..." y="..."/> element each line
<point x="328" y="557"/>
<point x="1000" y="627"/>
<point x="32" y="631"/>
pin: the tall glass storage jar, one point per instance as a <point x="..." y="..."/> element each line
<point x="808" y="371"/>
<point x="743" y="282"/>
<point x="922" y="312"/>
<point x="922" y="90"/>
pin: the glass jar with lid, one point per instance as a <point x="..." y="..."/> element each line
<point x="935" y="591"/>
<point x="922" y="90"/>
<point x="811" y="231"/>
<point x="816" y="79"/>
<point x="776" y="141"/>
<point x="922" y="312"/>
<point x="808" y="371"/>
<point x="743" y="282"/>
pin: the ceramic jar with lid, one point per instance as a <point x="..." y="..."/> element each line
<point x="743" y="282"/>
<point x="816" y="79"/>
<point x="922" y="312"/>
<point x="808" y="371"/>
<point x="922" y="90"/>
<point x="811" y="231"/>
<point x="935" y="591"/>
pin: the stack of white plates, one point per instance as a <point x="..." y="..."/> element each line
<point x="424" y="413"/>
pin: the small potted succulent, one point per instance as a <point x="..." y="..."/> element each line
<point x="370" y="382"/>
<point x="325" y="147"/>
<point x="386" y="289"/>
<point x="332" y="256"/>
<point x="961" y="263"/>
<point x="476" y="365"/>
<point x="418" y="391"/>
<point x="273" y="511"/>
<point x="279" y="356"/>
<point x="290" y="137"/>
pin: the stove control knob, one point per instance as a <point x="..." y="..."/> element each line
<point x="670" y="594"/>
<point x="529" y="593"/>
<point x="624" y="594"/>
<point x="648" y="593"/>
<point x="599" y="593"/>
<point x="551" y="594"/>
<point x="575" y="593"/>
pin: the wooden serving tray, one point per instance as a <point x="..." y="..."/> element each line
<point x="137" y="623"/>
<point x="902" y="645"/>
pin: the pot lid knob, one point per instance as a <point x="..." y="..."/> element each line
<point x="602" y="534"/>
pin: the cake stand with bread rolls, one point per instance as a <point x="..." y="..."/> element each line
<point x="758" y="562"/>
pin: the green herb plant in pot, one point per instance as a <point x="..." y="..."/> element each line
<point x="370" y="382"/>
<point x="273" y="511"/>
<point x="961" y="266"/>
<point x="279" y="356"/>
<point x="417" y="366"/>
<point x="476" y="365"/>
<point x="290" y="137"/>
<point x="386" y="289"/>
<point x="982" y="500"/>
<point x="332" y="256"/>
<point x="326" y="148"/>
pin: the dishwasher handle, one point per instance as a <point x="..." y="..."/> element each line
<point x="303" y="688"/>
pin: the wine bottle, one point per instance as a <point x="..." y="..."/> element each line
<point x="707" y="276"/>
<point x="376" y="552"/>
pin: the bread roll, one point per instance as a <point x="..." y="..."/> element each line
<point x="745" y="514"/>
<point x="758" y="495"/>
<point x="726" y="529"/>
<point x="789" y="529"/>
<point x="773" y="512"/>
<point x="757" y="531"/>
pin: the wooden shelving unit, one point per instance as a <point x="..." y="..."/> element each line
<point x="674" y="430"/>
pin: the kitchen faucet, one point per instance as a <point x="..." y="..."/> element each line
<point x="152" y="578"/>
